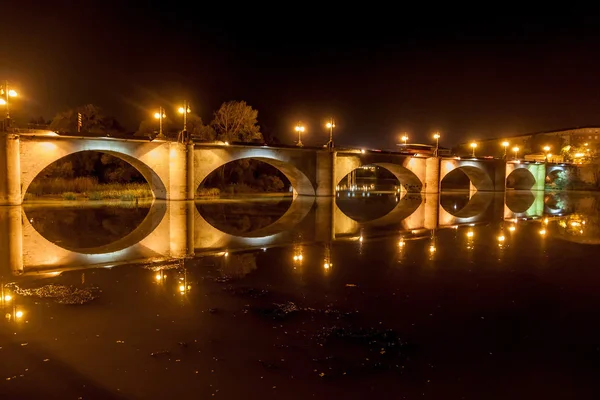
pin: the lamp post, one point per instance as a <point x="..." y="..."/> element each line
<point x="6" y="94"/>
<point x="546" y="150"/>
<point x="330" y="125"/>
<point x="185" y="110"/>
<point x="473" y="146"/>
<point x="404" y="139"/>
<point x="436" y="136"/>
<point x="160" y="115"/>
<point x="300" y="128"/>
<point x="505" y="144"/>
<point x="516" y="150"/>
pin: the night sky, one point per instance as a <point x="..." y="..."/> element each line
<point x="377" y="71"/>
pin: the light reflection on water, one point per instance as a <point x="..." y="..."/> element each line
<point x="491" y="280"/>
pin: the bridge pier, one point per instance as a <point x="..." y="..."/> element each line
<point x="11" y="241"/>
<point x="10" y="170"/>
<point x="432" y="175"/>
<point x="325" y="173"/>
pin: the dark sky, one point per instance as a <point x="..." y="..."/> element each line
<point x="379" y="71"/>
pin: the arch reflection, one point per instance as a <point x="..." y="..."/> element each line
<point x="176" y="230"/>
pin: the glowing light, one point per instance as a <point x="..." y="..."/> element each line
<point x="512" y="229"/>
<point x="7" y="297"/>
<point x="546" y="148"/>
<point x="501" y="238"/>
<point x="13" y="93"/>
<point x="181" y="288"/>
<point x="182" y="110"/>
<point x="330" y="125"/>
<point x="226" y="143"/>
<point x="226" y="254"/>
<point x="401" y="243"/>
<point x="326" y="265"/>
<point x="575" y="223"/>
<point x="546" y="221"/>
<point x="436" y="135"/>
<point x="473" y="145"/>
<point x="432" y="249"/>
<point x="362" y="151"/>
<point x="299" y="128"/>
<point x="300" y="257"/>
<point x="157" y="115"/>
<point x="585" y="144"/>
<point x="2" y="102"/>
<point x="404" y="138"/>
<point x="515" y="149"/>
<point x="542" y="232"/>
<point x="360" y="239"/>
<point x="470" y="234"/>
<point x="505" y="144"/>
<point x="19" y="314"/>
<point x="579" y="155"/>
<point x="158" y="277"/>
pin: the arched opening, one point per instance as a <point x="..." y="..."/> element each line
<point x="244" y="176"/>
<point x="369" y="179"/>
<point x="95" y="175"/>
<point x="552" y="176"/>
<point x="467" y="177"/>
<point x="520" y="179"/>
<point x="456" y="180"/>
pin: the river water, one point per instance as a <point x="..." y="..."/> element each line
<point x="458" y="296"/>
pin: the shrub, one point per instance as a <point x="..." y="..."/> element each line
<point x="208" y="192"/>
<point x="69" y="196"/>
<point x="95" y="196"/>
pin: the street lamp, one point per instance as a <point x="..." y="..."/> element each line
<point x="160" y="115"/>
<point x="185" y="110"/>
<point x="473" y="146"/>
<point x="436" y="136"/>
<point x="505" y="144"/>
<point x="300" y="128"/>
<point x="546" y="150"/>
<point x="330" y="125"/>
<point x="516" y="150"/>
<point x="7" y="93"/>
<point x="404" y="139"/>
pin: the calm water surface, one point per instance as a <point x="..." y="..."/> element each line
<point x="458" y="296"/>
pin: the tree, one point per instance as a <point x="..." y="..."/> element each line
<point x="93" y="121"/>
<point x="235" y="121"/>
<point x="198" y="130"/>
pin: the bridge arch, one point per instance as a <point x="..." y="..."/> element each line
<point x="297" y="166"/>
<point x="478" y="176"/>
<point x="147" y="158"/>
<point x="520" y="179"/>
<point x="404" y="171"/>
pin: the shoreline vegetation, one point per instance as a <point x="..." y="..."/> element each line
<point x="88" y="189"/>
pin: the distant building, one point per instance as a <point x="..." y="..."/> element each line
<point x="534" y="143"/>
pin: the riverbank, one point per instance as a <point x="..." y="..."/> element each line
<point x="86" y="189"/>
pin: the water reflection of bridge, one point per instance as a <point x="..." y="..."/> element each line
<point x="175" y="230"/>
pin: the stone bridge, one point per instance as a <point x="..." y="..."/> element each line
<point x="174" y="171"/>
<point x="176" y="230"/>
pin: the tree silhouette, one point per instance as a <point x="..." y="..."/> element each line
<point x="235" y="121"/>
